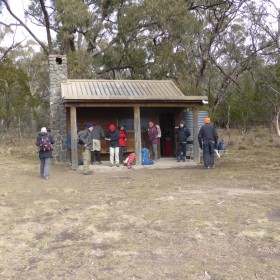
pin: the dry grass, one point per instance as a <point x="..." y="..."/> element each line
<point x="147" y="224"/>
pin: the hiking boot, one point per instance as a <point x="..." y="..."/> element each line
<point x="111" y="165"/>
<point x="46" y="178"/>
<point x="117" y="165"/>
<point x="99" y="162"/>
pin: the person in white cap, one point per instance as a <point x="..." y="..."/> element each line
<point x="45" y="142"/>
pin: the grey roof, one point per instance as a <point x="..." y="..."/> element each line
<point x="123" y="90"/>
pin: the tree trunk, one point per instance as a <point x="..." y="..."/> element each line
<point x="275" y="119"/>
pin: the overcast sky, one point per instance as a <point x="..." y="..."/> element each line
<point x="18" y="7"/>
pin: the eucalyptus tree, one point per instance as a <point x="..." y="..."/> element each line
<point x="16" y="100"/>
<point x="206" y="47"/>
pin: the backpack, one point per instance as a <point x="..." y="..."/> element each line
<point x="130" y="160"/>
<point x="45" y="143"/>
<point x="80" y="142"/>
<point x="145" y="157"/>
<point x="158" y="131"/>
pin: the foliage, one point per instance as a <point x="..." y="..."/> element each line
<point x="215" y="48"/>
<point x="16" y="101"/>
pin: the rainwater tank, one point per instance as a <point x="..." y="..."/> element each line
<point x="188" y="118"/>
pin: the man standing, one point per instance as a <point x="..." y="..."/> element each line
<point x="153" y="140"/>
<point x="85" y="140"/>
<point x="96" y="135"/>
<point x="182" y="136"/>
<point x="45" y="142"/>
<point x="208" y="141"/>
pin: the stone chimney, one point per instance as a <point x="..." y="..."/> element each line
<point x="57" y="75"/>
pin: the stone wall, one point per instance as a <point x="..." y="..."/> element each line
<point x="57" y="75"/>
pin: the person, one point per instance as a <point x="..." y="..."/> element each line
<point x="182" y="136"/>
<point x="208" y="141"/>
<point x="85" y="140"/>
<point x="122" y="142"/>
<point x="96" y="135"/>
<point x="153" y="139"/>
<point x="113" y="137"/>
<point x="44" y="142"/>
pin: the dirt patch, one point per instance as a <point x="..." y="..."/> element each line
<point x="274" y="215"/>
<point x="187" y="223"/>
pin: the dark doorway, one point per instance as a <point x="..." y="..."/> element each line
<point x="167" y="141"/>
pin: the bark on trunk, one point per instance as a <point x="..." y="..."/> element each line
<point x="275" y="120"/>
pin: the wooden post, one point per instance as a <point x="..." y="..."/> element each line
<point x="74" y="144"/>
<point x="137" y="135"/>
<point x="196" y="151"/>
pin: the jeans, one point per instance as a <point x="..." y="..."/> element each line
<point x="122" y="149"/>
<point x="45" y="167"/>
<point x="208" y="154"/>
<point x="182" y="148"/>
<point x="154" y="150"/>
<point x="114" y="153"/>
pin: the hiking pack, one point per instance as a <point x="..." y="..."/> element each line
<point x="80" y="142"/>
<point x="158" y="131"/>
<point x="130" y="160"/>
<point x="45" y="143"/>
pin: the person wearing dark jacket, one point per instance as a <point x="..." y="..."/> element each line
<point x="182" y="136"/>
<point x="208" y="142"/>
<point x="85" y="139"/>
<point x="45" y="142"/>
<point x="113" y="137"/>
<point x="122" y="142"/>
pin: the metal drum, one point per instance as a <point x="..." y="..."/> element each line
<point x="188" y="118"/>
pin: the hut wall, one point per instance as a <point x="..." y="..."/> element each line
<point x="104" y="116"/>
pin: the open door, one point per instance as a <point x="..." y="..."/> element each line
<point x="167" y="141"/>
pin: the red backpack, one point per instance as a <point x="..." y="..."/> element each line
<point x="45" y="143"/>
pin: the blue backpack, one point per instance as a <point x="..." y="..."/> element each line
<point x="145" y="157"/>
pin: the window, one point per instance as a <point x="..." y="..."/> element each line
<point x="129" y="124"/>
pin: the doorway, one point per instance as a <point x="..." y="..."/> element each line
<point x="167" y="141"/>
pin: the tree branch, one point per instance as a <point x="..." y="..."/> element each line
<point x="26" y="27"/>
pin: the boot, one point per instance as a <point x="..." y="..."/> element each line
<point x="98" y="157"/>
<point x="92" y="157"/>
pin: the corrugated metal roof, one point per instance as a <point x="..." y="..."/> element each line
<point x="75" y="90"/>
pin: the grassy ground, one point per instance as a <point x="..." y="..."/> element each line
<point x="187" y="223"/>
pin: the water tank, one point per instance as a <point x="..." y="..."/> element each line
<point x="188" y="118"/>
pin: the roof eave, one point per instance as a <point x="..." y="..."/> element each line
<point x="191" y="99"/>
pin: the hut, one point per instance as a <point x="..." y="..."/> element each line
<point x="130" y="102"/>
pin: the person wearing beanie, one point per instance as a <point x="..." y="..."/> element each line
<point x="208" y="142"/>
<point x="113" y="137"/>
<point x="96" y="135"/>
<point x="44" y="142"/>
<point x="153" y="139"/>
<point x="84" y="137"/>
<point x="182" y="136"/>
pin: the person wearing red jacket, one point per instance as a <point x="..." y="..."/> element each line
<point x="122" y="142"/>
